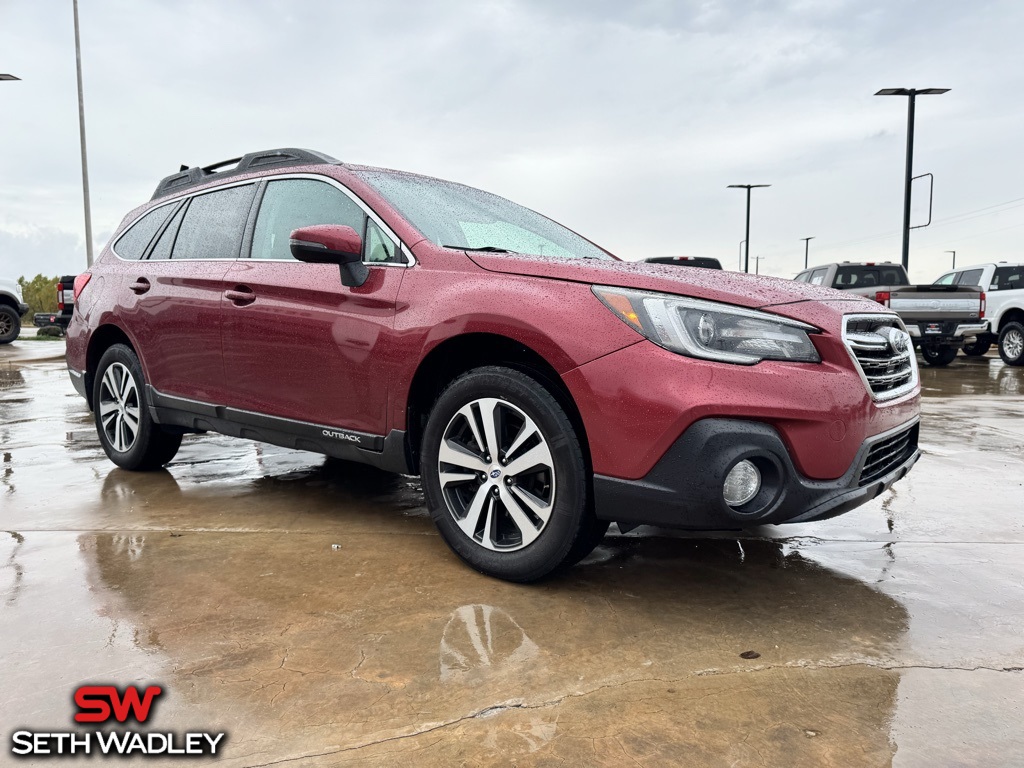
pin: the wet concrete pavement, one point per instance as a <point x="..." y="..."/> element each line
<point x="308" y="608"/>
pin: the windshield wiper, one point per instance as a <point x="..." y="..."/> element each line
<point x="486" y="248"/>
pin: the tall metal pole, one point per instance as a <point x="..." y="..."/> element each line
<point x="757" y="264"/>
<point x="954" y="258"/>
<point x="746" y="261"/>
<point x="81" y="130"/>
<point x="742" y="243"/>
<point x="807" y="244"/>
<point x="911" y="100"/>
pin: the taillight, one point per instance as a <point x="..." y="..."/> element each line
<point x="981" y="315"/>
<point x="60" y="296"/>
<point x="80" y="282"/>
<point x="882" y="297"/>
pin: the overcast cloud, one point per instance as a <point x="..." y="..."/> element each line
<point x="625" y="121"/>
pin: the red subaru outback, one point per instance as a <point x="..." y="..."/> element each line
<point x="540" y="386"/>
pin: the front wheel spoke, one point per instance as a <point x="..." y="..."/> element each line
<point x="528" y="430"/>
<point x="127" y="385"/>
<point x="132" y="410"/>
<point x="118" y="436"/>
<point x="538" y="455"/>
<point x="108" y="419"/>
<point x="449" y="478"/>
<point x="539" y="508"/>
<point x="458" y="456"/>
<point x="131" y="424"/>
<point x="107" y="408"/>
<point x="110" y="382"/>
<point x="469" y="522"/>
<point x="466" y="412"/>
<point x="489" y="416"/>
<point x="527" y="529"/>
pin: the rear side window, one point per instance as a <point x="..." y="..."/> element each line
<point x="292" y="203"/>
<point x="1008" y="278"/>
<point x="818" y="276"/>
<point x="164" y="243"/>
<point x="970" y="277"/>
<point x="802" y="277"/>
<point x="132" y="244"/>
<point x="213" y="224"/>
<point x="946" y="279"/>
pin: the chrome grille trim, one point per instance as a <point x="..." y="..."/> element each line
<point x="886" y="373"/>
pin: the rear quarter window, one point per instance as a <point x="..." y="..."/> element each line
<point x="1008" y="278"/>
<point x="133" y="243"/>
<point x="214" y="223"/>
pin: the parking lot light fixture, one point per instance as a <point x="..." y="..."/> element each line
<point x="748" y="187"/>
<point x="911" y="94"/>
<point x="8" y="77"/>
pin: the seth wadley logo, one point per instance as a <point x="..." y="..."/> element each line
<point x="103" y="703"/>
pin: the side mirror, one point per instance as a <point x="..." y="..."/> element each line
<point x="332" y="244"/>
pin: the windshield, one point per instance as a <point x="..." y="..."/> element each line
<point x="456" y="216"/>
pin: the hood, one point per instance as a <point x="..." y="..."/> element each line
<point x="737" y="288"/>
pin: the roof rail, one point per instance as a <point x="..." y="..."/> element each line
<point x="254" y="161"/>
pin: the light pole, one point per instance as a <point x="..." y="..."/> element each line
<point x="742" y="243"/>
<point x="757" y="264"/>
<point x="912" y="94"/>
<point x="807" y="246"/>
<point x="954" y="258"/>
<point x="748" y="187"/>
<point x="81" y="131"/>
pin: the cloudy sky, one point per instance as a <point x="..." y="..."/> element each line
<point x="623" y="120"/>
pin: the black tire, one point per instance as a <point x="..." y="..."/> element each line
<point x="977" y="348"/>
<point x="570" y="531"/>
<point x="938" y="356"/>
<point x="150" y="447"/>
<point x="10" y="324"/>
<point x="1011" y="343"/>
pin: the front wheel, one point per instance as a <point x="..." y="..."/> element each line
<point x="938" y="356"/>
<point x="505" y="477"/>
<point x="129" y="436"/>
<point x="10" y="324"/>
<point x="1011" y="343"/>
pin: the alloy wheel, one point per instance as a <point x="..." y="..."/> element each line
<point x="6" y="324"/>
<point x="497" y="474"/>
<point x="119" y="406"/>
<point x="1013" y="344"/>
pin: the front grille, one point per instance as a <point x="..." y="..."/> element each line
<point x="888" y="453"/>
<point x="883" y="353"/>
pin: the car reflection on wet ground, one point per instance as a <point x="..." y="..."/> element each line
<point x="308" y="608"/>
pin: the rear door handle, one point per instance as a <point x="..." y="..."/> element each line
<point x="240" y="296"/>
<point x="141" y="285"/>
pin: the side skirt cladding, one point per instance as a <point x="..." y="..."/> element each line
<point x="384" y="452"/>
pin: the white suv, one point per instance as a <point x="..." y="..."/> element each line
<point x="1003" y="284"/>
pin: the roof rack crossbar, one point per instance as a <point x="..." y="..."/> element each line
<point x="193" y="176"/>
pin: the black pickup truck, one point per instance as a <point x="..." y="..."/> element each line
<point x="939" y="318"/>
<point x="65" y="306"/>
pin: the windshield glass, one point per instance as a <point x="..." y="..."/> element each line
<point x="457" y="216"/>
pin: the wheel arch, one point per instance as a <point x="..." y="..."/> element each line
<point x="1012" y="315"/>
<point x="459" y="354"/>
<point x="102" y="339"/>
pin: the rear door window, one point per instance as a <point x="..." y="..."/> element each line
<point x="818" y="276"/>
<point x="214" y="223"/>
<point x="289" y="204"/>
<point x="133" y="243"/>
<point x="970" y="277"/>
<point x="1008" y="278"/>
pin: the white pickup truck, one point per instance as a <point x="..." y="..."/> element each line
<point x="12" y="307"/>
<point x="1003" y="284"/>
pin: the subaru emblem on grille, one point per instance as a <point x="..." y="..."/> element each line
<point x="898" y="340"/>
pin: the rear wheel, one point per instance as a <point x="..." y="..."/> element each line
<point x="505" y="478"/>
<point x="129" y="436"/>
<point x="977" y="348"/>
<point x="938" y="356"/>
<point x="1011" y="343"/>
<point x="10" y="324"/>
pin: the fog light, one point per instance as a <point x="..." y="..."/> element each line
<point x="741" y="484"/>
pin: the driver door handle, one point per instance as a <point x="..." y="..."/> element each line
<point x="240" y="296"/>
<point x="141" y="285"/>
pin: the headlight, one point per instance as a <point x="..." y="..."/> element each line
<point x="710" y="330"/>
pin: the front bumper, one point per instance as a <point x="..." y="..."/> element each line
<point x="684" y="489"/>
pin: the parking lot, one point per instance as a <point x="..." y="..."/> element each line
<point x="308" y="608"/>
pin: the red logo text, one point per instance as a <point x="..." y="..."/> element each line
<point x="98" y="703"/>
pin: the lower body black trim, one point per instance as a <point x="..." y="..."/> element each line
<point x="385" y="452"/>
<point x="684" y="489"/>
